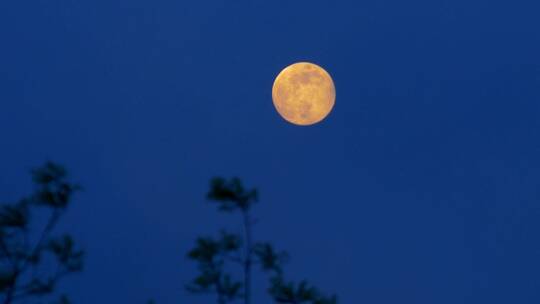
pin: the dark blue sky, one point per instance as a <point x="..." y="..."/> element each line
<point x="421" y="187"/>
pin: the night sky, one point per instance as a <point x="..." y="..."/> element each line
<point x="422" y="186"/>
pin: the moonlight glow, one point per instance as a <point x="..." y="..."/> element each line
<point x="303" y="93"/>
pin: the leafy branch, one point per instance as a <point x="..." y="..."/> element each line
<point x="213" y="254"/>
<point x="19" y="257"/>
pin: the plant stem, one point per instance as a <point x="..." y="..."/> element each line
<point x="247" y="260"/>
<point x="11" y="291"/>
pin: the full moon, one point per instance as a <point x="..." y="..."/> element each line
<point x="303" y="93"/>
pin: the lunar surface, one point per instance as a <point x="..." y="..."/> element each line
<point x="303" y="93"/>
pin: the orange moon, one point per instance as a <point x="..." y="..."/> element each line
<point x="303" y="93"/>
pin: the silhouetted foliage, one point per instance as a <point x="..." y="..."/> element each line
<point x="26" y="269"/>
<point x="212" y="255"/>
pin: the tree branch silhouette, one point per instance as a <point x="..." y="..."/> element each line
<point x="211" y="255"/>
<point x="54" y="193"/>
